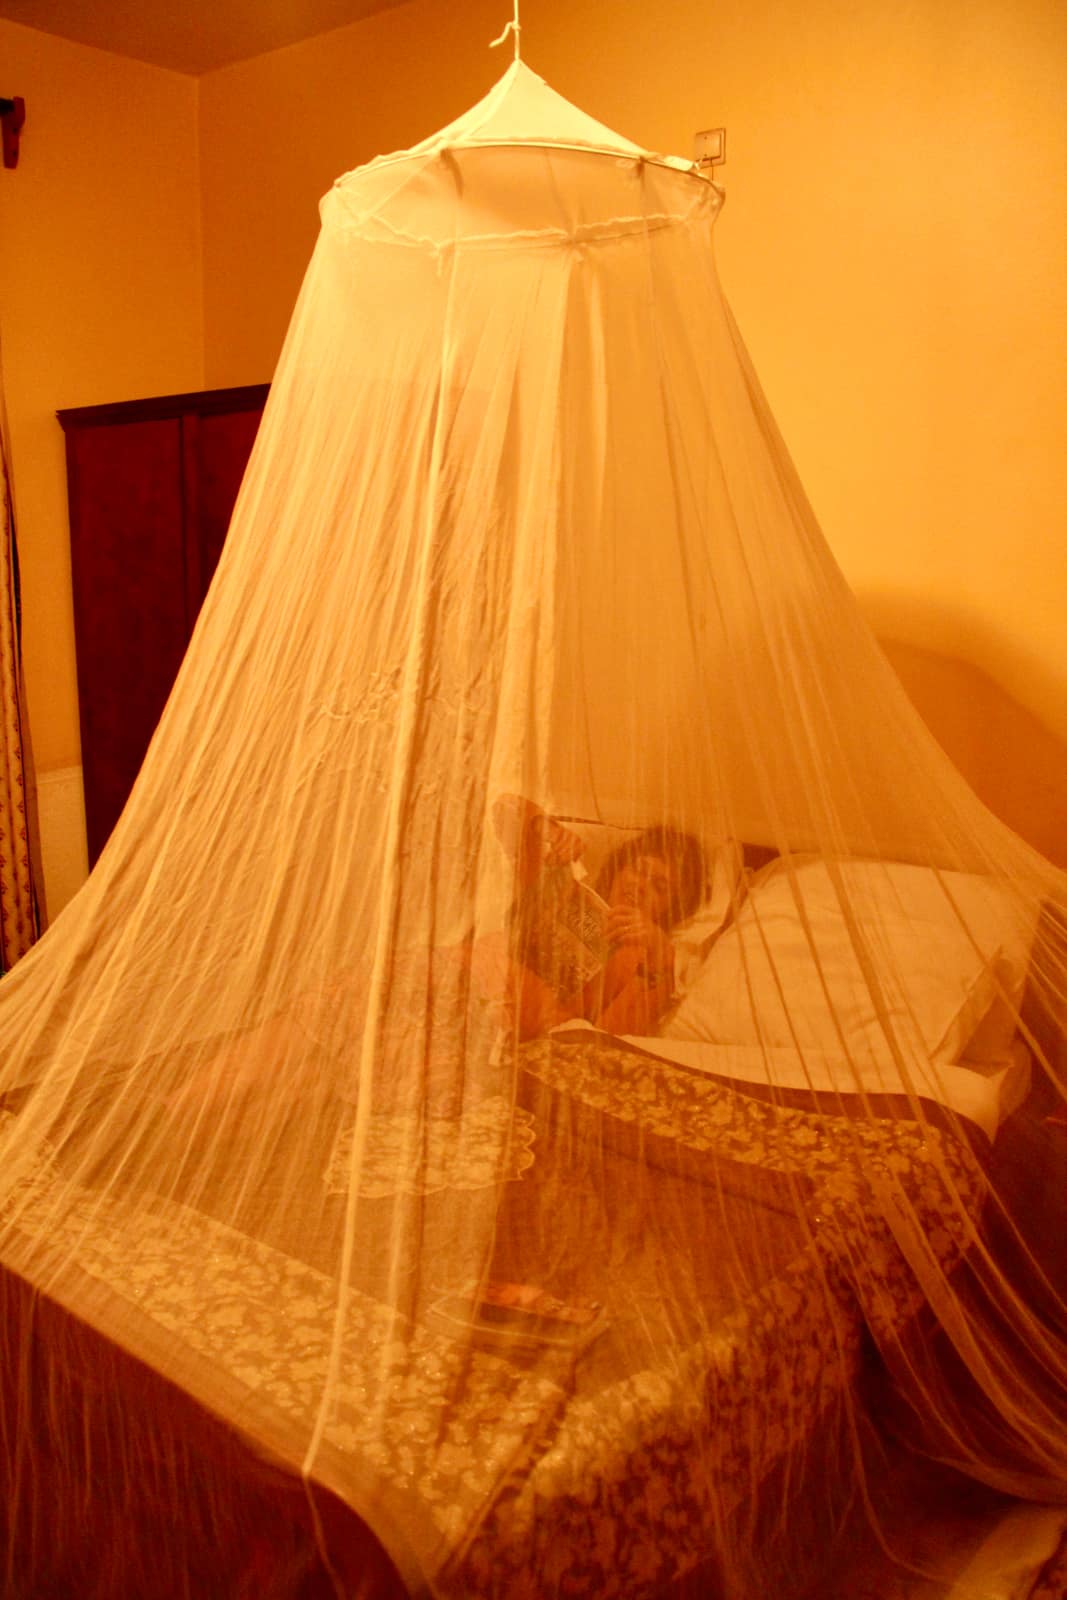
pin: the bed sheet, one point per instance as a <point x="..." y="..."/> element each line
<point x="983" y="1092"/>
<point x="614" y="1463"/>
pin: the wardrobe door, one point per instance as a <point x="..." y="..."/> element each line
<point x="130" y="609"/>
<point x="151" y="486"/>
<point x="216" y="447"/>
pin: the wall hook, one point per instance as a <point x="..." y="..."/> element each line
<point x="12" y="116"/>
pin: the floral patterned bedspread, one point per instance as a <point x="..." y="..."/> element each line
<point x="494" y="1470"/>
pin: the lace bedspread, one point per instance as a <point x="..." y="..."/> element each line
<point x="612" y="1460"/>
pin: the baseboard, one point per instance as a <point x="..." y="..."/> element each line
<point x="64" y="853"/>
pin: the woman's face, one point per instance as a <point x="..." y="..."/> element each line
<point x="646" y="884"/>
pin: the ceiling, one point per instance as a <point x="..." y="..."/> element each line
<point x="192" y="36"/>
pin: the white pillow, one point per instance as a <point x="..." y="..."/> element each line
<point x="770" y="981"/>
<point x="995" y="1034"/>
<point x="693" y="938"/>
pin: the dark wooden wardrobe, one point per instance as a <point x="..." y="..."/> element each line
<point x="151" y="485"/>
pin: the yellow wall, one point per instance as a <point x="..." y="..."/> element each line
<point x="276" y="131"/>
<point x="100" y="300"/>
<point x="893" y="246"/>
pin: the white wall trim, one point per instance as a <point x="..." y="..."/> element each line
<point x="64" y="852"/>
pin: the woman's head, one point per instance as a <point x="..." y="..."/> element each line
<point x="660" y="872"/>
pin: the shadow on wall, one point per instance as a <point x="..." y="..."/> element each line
<point x="1009" y="756"/>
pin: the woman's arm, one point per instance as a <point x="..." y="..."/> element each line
<point x="638" y="1005"/>
<point x="532" y="838"/>
<point x="629" y="995"/>
<point x="635" y="987"/>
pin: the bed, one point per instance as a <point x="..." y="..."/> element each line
<point x="619" y="1416"/>
<point x="593" y="1458"/>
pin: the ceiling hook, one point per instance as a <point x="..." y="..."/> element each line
<point x="514" y="27"/>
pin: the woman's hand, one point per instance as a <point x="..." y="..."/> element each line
<point x="546" y="843"/>
<point x="638" y="977"/>
<point x="551" y="842"/>
<point x="626" y="925"/>
<point x="533" y="837"/>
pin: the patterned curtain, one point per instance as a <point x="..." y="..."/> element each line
<point x="19" y="881"/>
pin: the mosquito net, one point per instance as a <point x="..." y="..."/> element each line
<point x="544" y="1051"/>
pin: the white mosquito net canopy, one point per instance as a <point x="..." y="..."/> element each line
<point x="425" y="1082"/>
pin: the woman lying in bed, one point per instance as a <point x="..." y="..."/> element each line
<point x="604" y="952"/>
<point x="535" y="975"/>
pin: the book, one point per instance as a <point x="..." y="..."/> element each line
<point x="560" y="929"/>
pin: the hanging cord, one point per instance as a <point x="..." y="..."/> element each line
<point x="513" y="27"/>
